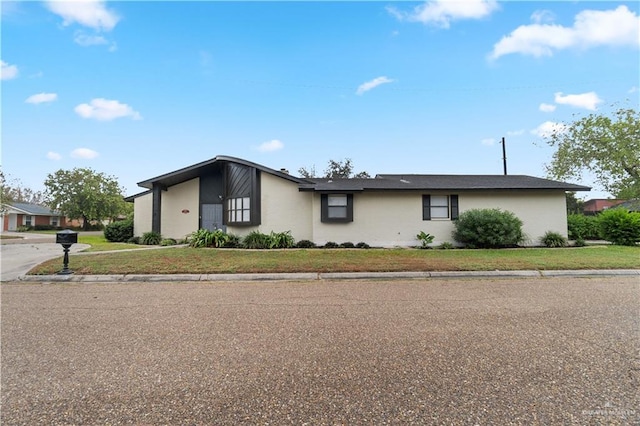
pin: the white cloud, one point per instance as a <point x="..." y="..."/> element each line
<point x="8" y="71"/>
<point x="588" y="100"/>
<point x="84" y="39"/>
<point x="515" y="132"/>
<point x="442" y="12"/>
<point x="547" y="129"/>
<point x="542" y="16"/>
<point x="270" y="146"/>
<point x="41" y="98"/>
<point x="634" y="89"/>
<point x="88" y="13"/>
<point x="488" y="141"/>
<point x="617" y="27"/>
<point x="365" y="87"/>
<point x="54" y="156"/>
<point x="547" y="107"/>
<point x="84" y="153"/>
<point x="106" y="110"/>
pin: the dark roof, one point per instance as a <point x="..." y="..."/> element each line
<point x="439" y="182"/>
<point x="33" y="209"/>
<point x="631" y="205"/>
<point x="191" y="172"/>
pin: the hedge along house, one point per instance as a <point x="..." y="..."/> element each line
<point x="389" y="210"/>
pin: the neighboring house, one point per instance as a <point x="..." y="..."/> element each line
<point x="630" y="205"/>
<point x="15" y="215"/>
<point x="597" y="205"/>
<point x="388" y="210"/>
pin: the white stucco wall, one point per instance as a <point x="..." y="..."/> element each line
<point x="283" y="208"/>
<point x="390" y="219"/>
<point x="142" y="213"/>
<point x="176" y="199"/>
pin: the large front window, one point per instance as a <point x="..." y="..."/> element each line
<point x="239" y="210"/>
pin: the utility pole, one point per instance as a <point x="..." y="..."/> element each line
<point x="504" y="155"/>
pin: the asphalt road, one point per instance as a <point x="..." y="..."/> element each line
<point x="457" y="351"/>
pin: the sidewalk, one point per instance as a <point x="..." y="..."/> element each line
<point x="313" y="276"/>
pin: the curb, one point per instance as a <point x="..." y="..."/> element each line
<point x="316" y="276"/>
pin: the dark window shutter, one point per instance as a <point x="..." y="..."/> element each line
<point x="454" y="206"/>
<point x="426" y="207"/>
<point x="324" y="207"/>
<point x="349" y="208"/>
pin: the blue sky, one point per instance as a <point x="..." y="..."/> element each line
<point x="139" y="89"/>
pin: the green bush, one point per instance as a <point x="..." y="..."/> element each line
<point x="620" y="226"/>
<point x="134" y="240"/>
<point x="256" y="240"/>
<point x="579" y="242"/>
<point x="425" y="239"/>
<point x="151" y="238"/>
<point x="23" y="228"/>
<point x="233" y="241"/>
<point x="331" y="245"/>
<point x="488" y="228"/>
<point x="553" y="239"/>
<point x="305" y="244"/>
<point x="119" y="232"/>
<point x="581" y="226"/>
<point x="208" y="238"/>
<point x="347" y="244"/>
<point x="362" y="245"/>
<point x="446" y="246"/>
<point x="281" y="240"/>
<point x="168" y="242"/>
<point x="44" y="228"/>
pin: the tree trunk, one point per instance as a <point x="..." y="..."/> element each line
<point x="85" y="223"/>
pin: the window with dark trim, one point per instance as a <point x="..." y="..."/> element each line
<point x="337" y="208"/>
<point x="439" y="207"/>
<point x="239" y="210"/>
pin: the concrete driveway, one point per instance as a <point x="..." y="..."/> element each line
<point x="546" y="351"/>
<point x="18" y="255"/>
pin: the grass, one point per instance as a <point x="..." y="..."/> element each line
<point x="184" y="260"/>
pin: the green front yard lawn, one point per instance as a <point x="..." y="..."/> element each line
<point x="185" y="260"/>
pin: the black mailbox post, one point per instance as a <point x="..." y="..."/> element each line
<point x="67" y="238"/>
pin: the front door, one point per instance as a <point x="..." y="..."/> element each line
<point x="212" y="217"/>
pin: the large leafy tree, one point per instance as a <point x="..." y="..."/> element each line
<point x="13" y="191"/>
<point x="84" y="194"/>
<point x="335" y="170"/>
<point x="607" y="147"/>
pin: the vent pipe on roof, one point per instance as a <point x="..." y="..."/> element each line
<point x="283" y="170"/>
<point x="504" y="156"/>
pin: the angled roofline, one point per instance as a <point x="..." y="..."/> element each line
<point x="49" y="211"/>
<point x="190" y="170"/>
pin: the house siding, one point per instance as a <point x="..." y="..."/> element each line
<point x="394" y="219"/>
<point x="142" y="214"/>
<point x="175" y="200"/>
<point x="283" y="208"/>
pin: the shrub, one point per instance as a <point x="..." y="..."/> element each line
<point x="362" y="245"/>
<point x="553" y="239"/>
<point x="347" y="244"/>
<point x="23" y="228"/>
<point x="446" y="246"/>
<point x="232" y="242"/>
<point x="620" y="226"/>
<point x="305" y="244"/>
<point x="281" y="240"/>
<point x="579" y="242"/>
<point x="488" y="228"/>
<point x="581" y="226"/>
<point x="208" y="238"/>
<point x="425" y="239"/>
<point x="134" y="240"/>
<point x="331" y="245"/>
<point x="119" y="232"/>
<point x="44" y="228"/>
<point x="151" y="238"/>
<point x="256" y="240"/>
<point x="168" y="242"/>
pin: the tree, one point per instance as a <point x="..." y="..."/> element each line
<point x="607" y="147"/>
<point x="335" y="170"/>
<point x="84" y="194"/>
<point x="15" y="192"/>
<point x="574" y="205"/>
